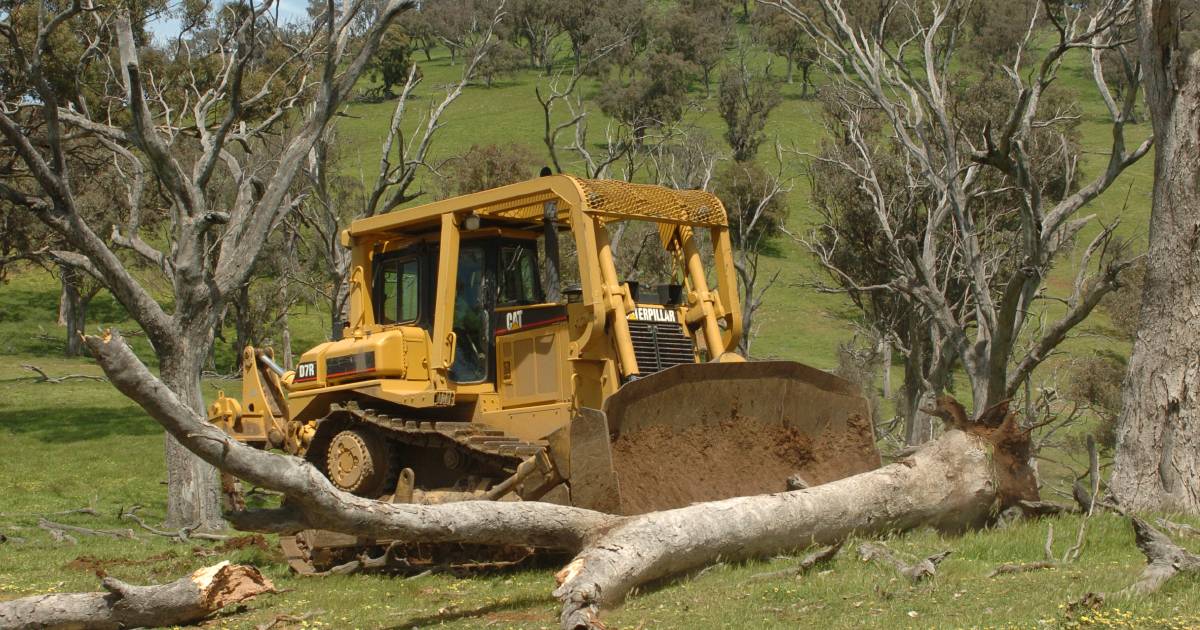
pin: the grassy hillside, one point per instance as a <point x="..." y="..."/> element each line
<point x="510" y="113"/>
<point x="80" y="443"/>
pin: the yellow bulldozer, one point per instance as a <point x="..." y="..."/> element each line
<point x="467" y="371"/>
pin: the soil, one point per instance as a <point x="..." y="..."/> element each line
<point x="100" y="566"/>
<point x="242" y="542"/>
<point x="661" y="468"/>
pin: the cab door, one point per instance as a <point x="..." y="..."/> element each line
<point x="531" y="335"/>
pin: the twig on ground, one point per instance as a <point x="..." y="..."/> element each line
<point x="288" y="619"/>
<point x="915" y="572"/>
<point x="1034" y="509"/>
<point x="1050" y="562"/>
<point x="42" y="377"/>
<point x="1019" y="567"/>
<point x="363" y="563"/>
<point x="820" y="556"/>
<point x="59" y="535"/>
<point x="83" y="510"/>
<point x="86" y="531"/>
<point x="1178" y="529"/>
<point x="184" y="534"/>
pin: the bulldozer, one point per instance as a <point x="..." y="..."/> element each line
<point x="474" y="365"/>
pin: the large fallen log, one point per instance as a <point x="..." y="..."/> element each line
<point x="959" y="481"/>
<point x="182" y="602"/>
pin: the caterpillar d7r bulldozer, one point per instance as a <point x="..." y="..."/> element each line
<point x="465" y="371"/>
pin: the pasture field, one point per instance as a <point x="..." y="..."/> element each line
<point x="81" y="444"/>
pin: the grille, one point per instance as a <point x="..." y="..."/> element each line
<point x="659" y="346"/>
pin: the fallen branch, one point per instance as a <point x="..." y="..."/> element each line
<point x="182" y="602"/>
<point x="1164" y="559"/>
<point x="1022" y="567"/>
<point x="84" y="510"/>
<point x="959" y="481"/>
<point x="1036" y="509"/>
<point x="917" y="571"/>
<point x="1050" y="562"/>
<point x="183" y="534"/>
<point x="42" y="377"/>
<point x="59" y="535"/>
<point x="288" y="619"/>
<point x="86" y="531"/>
<point x="1180" y="530"/>
<point x="4" y="538"/>
<point x="363" y="563"/>
<point x="820" y="556"/>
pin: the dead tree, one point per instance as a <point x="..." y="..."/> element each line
<point x="558" y="92"/>
<point x="401" y="161"/>
<point x="974" y="471"/>
<point x="200" y="139"/>
<point x="754" y="198"/>
<point x="182" y="602"/>
<point x="1158" y="431"/>
<point x="949" y="175"/>
<point x="1164" y="559"/>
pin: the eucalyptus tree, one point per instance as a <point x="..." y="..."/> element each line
<point x="195" y="132"/>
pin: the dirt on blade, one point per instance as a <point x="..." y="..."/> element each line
<point x="660" y="467"/>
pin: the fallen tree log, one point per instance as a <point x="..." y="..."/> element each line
<point x="962" y="480"/>
<point x="1164" y="559"/>
<point x="182" y="602"/>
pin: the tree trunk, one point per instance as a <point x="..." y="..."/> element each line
<point x="72" y="311"/>
<point x="886" y="361"/>
<point x="287" y="343"/>
<point x="960" y="481"/>
<point x="918" y="425"/>
<point x="193" y="493"/>
<point x="1158" y="432"/>
<point x="805" y="70"/>
<point x="949" y="485"/>
<point x="241" y="324"/>
<point x="182" y="602"/>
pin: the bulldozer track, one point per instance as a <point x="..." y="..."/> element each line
<point x="478" y="440"/>
<point x="315" y="552"/>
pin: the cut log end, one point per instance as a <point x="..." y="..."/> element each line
<point x="182" y="602"/>
<point x="224" y="584"/>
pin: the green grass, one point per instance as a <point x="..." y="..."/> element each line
<point x="92" y="447"/>
<point x="81" y="443"/>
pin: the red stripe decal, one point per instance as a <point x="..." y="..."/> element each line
<point x="500" y="332"/>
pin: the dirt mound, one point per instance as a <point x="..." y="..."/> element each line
<point x="100" y="566"/>
<point x="661" y="468"/>
<point x="242" y="542"/>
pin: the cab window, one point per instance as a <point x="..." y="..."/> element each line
<point x="396" y="291"/>
<point x="518" y="276"/>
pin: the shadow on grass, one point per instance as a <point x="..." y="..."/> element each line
<point x="64" y="424"/>
<point x="503" y="611"/>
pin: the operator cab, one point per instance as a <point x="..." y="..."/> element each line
<point x="497" y="275"/>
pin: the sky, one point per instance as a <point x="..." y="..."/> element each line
<point x="289" y="10"/>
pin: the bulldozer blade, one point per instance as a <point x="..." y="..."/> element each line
<point x="703" y="432"/>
